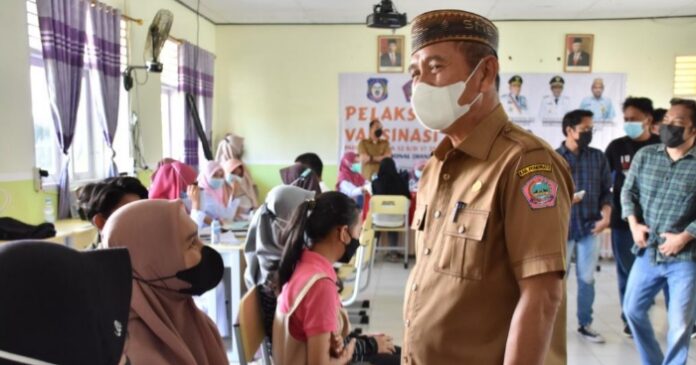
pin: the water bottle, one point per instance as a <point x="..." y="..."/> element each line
<point x="49" y="212"/>
<point x="215" y="231"/>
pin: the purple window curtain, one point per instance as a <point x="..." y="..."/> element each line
<point x="63" y="38"/>
<point x="196" y="67"/>
<point x="104" y="61"/>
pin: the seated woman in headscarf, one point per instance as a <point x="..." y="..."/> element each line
<point x="171" y="179"/>
<point x="213" y="198"/>
<point x="170" y="265"/>
<point x="300" y="176"/>
<point x="389" y="182"/>
<point x="350" y="181"/>
<point x="237" y="176"/>
<point x="61" y="306"/>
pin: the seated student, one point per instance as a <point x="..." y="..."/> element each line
<point x="312" y="161"/>
<point x="170" y="265"/>
<point x="350" y="181"/>
<point x="389" y="182"/>
<point x="97" y="201"/>
<point x="217" y="201"/>
<point x="310" y="323"/>
<point x="238" y="177"/>
<point x="61" y="306"/>
<point x="302" y="177"/>
<point x="170" y="180"/>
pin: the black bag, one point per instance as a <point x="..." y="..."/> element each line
<point x="12" y="229"/>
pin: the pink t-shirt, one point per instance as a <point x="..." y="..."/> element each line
<point x="318" y="311"/>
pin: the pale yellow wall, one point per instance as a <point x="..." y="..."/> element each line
<point x="278" y="85"/>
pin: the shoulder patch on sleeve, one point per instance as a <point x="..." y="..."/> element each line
<point x="546" y="167"/>
<point x="540" y="192"/>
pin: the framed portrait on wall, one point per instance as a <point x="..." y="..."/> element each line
<point x="579" y="53"/>
<point x="390" y="53"/>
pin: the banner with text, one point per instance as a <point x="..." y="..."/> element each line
<point x="538" y="105"/>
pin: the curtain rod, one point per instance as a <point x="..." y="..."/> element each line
<point x="123" y="16"/>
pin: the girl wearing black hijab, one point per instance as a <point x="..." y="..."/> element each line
<point x="389" y="182"/>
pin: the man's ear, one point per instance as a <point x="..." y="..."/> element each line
<point x="99" y="221"/>
<point x="490" y="70"/>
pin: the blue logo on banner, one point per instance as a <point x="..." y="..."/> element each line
<point x="377" y="89"/>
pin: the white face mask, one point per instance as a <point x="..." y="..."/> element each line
<point x="437" y="108"/>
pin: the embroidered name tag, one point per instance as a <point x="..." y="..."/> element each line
<point x="534" y="168"/>
<point x="540" y="192"/>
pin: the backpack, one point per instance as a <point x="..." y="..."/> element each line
<point x="12" y="229"/>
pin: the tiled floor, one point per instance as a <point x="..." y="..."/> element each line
<point x="387" y="289"/>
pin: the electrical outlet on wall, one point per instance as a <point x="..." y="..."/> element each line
<point x="38" y="175"/>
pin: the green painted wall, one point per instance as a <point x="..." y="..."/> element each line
<point x="19" y="200"/>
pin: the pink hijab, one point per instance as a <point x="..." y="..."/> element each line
<point x="171" y="179"/>
<point x="345" y="172"/>
<point x="247" y="184"/>
<point x="222" y="195"/>
<point x="165" y="327"/>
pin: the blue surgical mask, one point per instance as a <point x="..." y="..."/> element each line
<point x="356" y="167"/>
<point x="231" y="178"/>
<point x="633" y="129"/>
<point x="216" y="183"/>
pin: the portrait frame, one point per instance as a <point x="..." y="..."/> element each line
<point x="582" y="63"/>
<point x="383" y="59"/>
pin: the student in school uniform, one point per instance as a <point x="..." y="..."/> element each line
<point x="216" y="201"/>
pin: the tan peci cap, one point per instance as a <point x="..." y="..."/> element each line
<point x="452" y="25"/>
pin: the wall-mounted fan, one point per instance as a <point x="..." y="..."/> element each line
<point x="156" y="36"/>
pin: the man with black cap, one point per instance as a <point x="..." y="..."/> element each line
<point x="61" y="306"/>
<point x="555" y="106"/>
<point x="492" y="216"/>
<point x="576" y="56"/>
<point x="515" y="104"/>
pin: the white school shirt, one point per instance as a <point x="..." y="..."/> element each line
<point x="212" y="208"/>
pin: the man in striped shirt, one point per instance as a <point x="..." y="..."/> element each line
<point x="659" y="202"/>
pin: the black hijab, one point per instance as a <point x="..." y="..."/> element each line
<point x="388" y="181"/>
<point x="302" y="177"/>
<point x="62" y="306"/>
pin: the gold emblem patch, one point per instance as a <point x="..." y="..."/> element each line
<point x="534" y="168"/>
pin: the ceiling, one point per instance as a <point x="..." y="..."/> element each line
<point x="355" y="11"/>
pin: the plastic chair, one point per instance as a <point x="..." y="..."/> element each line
<point x="389" y="213"/>
<point x="249" y="332"/>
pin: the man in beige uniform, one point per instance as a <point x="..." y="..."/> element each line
<point x="492" y="216"/>
<point x="373" y="150"/>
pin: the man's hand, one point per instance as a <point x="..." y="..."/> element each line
<point x="336" y="345"/>
<point x="674" y="243"/>
<point x="385" y="344"/>
<point x="600" y="226"/>
<point x="640" y="234"/>
<point x="346" y="355"/>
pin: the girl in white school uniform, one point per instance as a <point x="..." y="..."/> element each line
<point x="213" y="198"/>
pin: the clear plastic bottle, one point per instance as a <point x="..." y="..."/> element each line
<point x="215" y="232"/>
<point x="49" y="212"/>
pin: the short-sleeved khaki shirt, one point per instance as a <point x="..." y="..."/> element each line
<point x="514" y="196"/>
<point x="374" y="149"/>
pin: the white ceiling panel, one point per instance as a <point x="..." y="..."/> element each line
<point x="355" y="11"/>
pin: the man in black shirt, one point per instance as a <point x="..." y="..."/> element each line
<point x="638" y="122"/>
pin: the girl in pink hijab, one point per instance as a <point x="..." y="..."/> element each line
<point x="216" y="201"/>
<point x="237" y="175"/>
<point x="170" y="264"/>
<point x="350" y="180"/>
<point x="171" y="179"/>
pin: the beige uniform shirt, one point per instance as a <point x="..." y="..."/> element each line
<point x="490" y="212"/>
<point x="370" y="148"/>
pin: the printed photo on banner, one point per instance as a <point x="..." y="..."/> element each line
<point x="390" y="53"/>
<point x="579" y="52"/>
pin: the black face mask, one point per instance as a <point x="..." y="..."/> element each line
<point x="378" y="133"/>
<point x="202" y="277"/>
<point x="351" y="248"/>
<point x="671" y="135"/>
<point x="585" y="139"/>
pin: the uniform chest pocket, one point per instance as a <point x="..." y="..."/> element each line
<point x="462" y="251"/>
